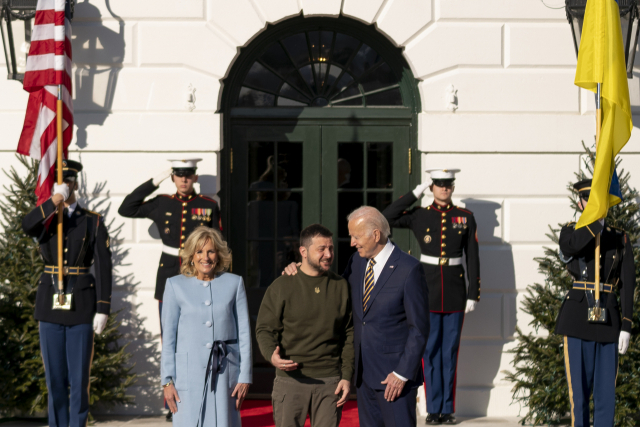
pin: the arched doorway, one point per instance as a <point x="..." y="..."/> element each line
<point x="320" y="117"/>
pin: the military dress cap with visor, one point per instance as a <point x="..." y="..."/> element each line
<point x="443" y="177"/>
<point x="70" y="169"/>
<point x="583" y="188"/>
<point x="185" y="167"/>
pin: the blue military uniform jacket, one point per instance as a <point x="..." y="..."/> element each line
<point x="176" y="217"/>
<point x="617" y="269"/>
<point x="86" y="243"/>
<point x="442" y="232"/>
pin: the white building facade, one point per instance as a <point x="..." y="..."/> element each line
<point x="484" y="86"/>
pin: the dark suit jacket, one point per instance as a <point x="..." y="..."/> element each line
<point x="392" y="334"/>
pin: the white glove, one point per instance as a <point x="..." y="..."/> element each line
<point x="62" y="189"/>
<point x="99" y="322"/>
<point x="471" y="305"/>
<point x="420" y="189"/>
<point x="623" y="342"/>
<point x="164" y="175"/>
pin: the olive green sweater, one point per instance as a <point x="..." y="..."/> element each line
<point x="310" y="319"/>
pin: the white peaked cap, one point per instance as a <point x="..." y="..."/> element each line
<point x="443" y="173"/>
<point x="184" y="163"/>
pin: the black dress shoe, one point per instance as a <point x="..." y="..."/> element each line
<point x="433" y="419"/>
<point x="447" y="419"/>
<point x="169" y="417"/>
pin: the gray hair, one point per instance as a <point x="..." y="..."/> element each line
<point x="374" y="220"/>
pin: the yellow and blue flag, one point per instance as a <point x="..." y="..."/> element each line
<point x="601" y="59"/>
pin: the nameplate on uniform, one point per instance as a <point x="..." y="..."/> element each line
<point x="66" y="305"/>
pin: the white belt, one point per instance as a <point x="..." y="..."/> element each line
<point x="434" y="260"/>
<point x="171" y="251"/>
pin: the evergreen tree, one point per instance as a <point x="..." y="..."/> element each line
<point x="23" y="387"/>
<point x="539" y="378"/>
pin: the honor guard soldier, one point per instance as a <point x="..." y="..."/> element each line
<point x="444" y="232"/>
<point x="67" y="330"/>
<point x="591" y="341"/>
<point x="175" y="215"/>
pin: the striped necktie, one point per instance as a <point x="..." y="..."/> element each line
<point x="368" y="283"/>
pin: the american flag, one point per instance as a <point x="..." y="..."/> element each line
<point x="48" y="65"/>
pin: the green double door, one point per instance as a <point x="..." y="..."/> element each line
<point x="283" y="178"/>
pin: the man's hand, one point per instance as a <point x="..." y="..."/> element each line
<point x="164" y="175"/>
<point x="171" y="396"/>
<point x="344" y="387"/>
<point x="419" y="190"/>
<point x="99" y="322"/>
<point x="394" y="387"/>
<point x="291" y="269"/>
<point x="60" y="193"/>
<point x="240" y="392"/>
<point x="471" y="305"/>
<point x="283" y="365"/>
<point x="623" y="342"/>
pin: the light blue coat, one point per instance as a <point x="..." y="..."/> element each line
<point x="194" y="315"/>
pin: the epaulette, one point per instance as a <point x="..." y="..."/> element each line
<point x="92" y="212"/>
<point x="618" y="230"/>
<point x="172" y="196"/>
<point x="570" y="223"/>
<point x="463" y="210"/>
<point x="206" y="198"/>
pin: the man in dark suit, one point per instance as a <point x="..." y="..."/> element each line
<point x="591" y="345"/>
<point x="391" y="325"/>
<point x="66" y="333"/>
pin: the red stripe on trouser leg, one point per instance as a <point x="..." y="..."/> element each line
<point x="455" y="376"/>
<point x="424" y="384"/>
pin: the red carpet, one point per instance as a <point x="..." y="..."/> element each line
<point x="258" y="413"/>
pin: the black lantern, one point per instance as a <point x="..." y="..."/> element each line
<point x="628" y="21"/>
<point x="16" y="23"/>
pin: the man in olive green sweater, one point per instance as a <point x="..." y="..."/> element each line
<point x="305" y="328"/>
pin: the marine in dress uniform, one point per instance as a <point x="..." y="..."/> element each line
<point x="66" y="335"/>
<point x="175" y="215"/>
<point x="444" y="232"/>
<point x="591" y="349"/>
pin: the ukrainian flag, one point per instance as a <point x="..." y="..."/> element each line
<point x="601" y="60"/>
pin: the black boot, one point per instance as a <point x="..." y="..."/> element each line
<point x="447" y="419"/>
<point x="169" y="417"/>
<point x="433" y="419"/>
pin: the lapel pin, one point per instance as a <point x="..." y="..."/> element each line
<point x="391" y="266"/>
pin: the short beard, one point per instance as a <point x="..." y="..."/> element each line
<point x="316" y="266"/>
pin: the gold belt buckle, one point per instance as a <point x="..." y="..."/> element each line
<point x="444" y="261"/>
<point x="65" y="271"/>
<point x="66" y="303"/>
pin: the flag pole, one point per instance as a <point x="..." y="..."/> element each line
<point x="597" y="254"/>
<point x="61" y="297"/>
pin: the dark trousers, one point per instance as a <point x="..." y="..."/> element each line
<point x="375" y="411"/>
<point x="67" y="352"/>
<point x="440" y="361"/>
<point x="591" y="367"/>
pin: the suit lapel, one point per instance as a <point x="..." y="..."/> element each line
<point x="386" y="273"/>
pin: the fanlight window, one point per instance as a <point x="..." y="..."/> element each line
<point x="320" y="69"/>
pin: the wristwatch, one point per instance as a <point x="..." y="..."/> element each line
<point x="167" y="384"/>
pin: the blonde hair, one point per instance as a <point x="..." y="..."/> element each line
<point x="197" y="240"/>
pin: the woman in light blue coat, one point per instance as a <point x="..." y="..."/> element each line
<point x="206" y="340"/>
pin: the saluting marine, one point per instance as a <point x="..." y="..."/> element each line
<point x="175" y="215"/>
<point x="444" y="232"/>
<point x="591" y="345"/>
<point x="66" y="335"/>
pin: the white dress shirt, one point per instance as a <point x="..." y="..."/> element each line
<point x="381" y="260"/>
<point x="72" y="207"/>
